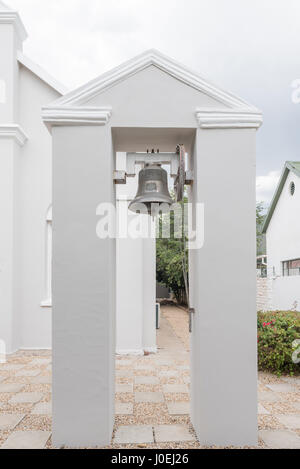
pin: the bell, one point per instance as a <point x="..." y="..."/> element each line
<point x="153" y="189"/>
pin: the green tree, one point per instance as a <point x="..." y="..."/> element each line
<point x="172" y="259"/>
<point x="172" y="255"/>
<point x="260" y="237"/>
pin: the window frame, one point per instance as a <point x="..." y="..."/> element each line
<point x="286" y="269"/>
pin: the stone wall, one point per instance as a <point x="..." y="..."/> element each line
<point x="264" y="294"/>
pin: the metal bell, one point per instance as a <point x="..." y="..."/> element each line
<point x="153" y="189"/>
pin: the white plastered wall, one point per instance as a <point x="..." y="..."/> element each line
<point x="35" y="199"/>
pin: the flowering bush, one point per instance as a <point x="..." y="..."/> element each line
<point x="277" y="332"/>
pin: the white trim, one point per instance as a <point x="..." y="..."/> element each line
<point x="13" y="17"/>
<point x="46" y="303"/>
<point x="151" y="349"/>
<point x="15" y="132"/>
<point x="40" y="73"/>
<point x="130" y="352"/>
<point x="141" y="62"/>
<point x="229" y="119"/>
<point x="88" y="115"/>
<point x="34" y="349"/>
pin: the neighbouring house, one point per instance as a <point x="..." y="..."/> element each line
<point x="26" y="214"/>
<point x="282" y="228"/>
<point x="261" y="266"/>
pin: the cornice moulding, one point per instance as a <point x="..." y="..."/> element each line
<point x="13" y="17"/>
<point x="246" y="118"/>
<point x="15" y="132"/>
<point x="71" y="115"/>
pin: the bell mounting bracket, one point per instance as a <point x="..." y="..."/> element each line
<point x="175" y="160"/>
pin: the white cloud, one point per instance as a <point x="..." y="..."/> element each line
<point x="266" y="186"/>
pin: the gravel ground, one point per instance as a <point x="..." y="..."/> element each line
<point x="169" y="366"/>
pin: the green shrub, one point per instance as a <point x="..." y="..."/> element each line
<point x="276" y="333"/>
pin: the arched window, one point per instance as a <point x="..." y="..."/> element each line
<point x="47" y="303"/>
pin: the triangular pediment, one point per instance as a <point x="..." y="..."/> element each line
<point x="104" y="82"/>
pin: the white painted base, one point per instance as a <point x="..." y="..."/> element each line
<point x="137" y="352"/>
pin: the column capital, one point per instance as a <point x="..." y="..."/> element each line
<point x="75" y="115"/>
<point x="240" y="118"/>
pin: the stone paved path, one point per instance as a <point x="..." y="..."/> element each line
<point x="152" y="398"/>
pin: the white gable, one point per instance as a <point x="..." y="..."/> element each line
<point x="151" y="57"/>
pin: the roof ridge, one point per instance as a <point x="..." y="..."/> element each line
<point x="288" y="166"/>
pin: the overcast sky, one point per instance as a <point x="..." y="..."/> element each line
<point x="249" y="47"/>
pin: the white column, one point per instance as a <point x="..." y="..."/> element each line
<point x="136" y="277"/>
<point x="129" y="291"/>
<point x="83" y="288"/>
<point x="149" y="294"/>
<point x="224" y="338"/>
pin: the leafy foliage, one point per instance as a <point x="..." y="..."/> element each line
<point x="170" y="259"/>
<point x="276" y="333"/>
<point x="170" y="256"/>
<point x="260" y="237"/>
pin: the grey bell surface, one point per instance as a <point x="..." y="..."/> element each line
<point x="152" y="190"/>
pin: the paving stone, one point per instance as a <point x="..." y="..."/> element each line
<point x="11" y="387"/>
<point x="11" y="367"/>
<point x="176" y="388"/>
<point x="149" y="397"/>
<point x="124" y="362"/>
<point x="2" y="378"/>
<point x="124" y="374"/>
<point x="145" y="367"/>
<point x="292" y="380"/>
<point x="292" y="421"/>
<point x="10" y="421"/>
<point x="284" y="387"/>
<point x="160" y="362"/>
<point x="172" y="433"/>
<point x="42" y="408"/>
<point x="183" y="367"/>
<point x="296" y="405"/>
<point x="124" y="408"/>
<point x="26" y="397"/>
<point x="124" y="388"/>
<point x="27" y="440"/>
<point x="134" y="434"/>
<point x="42" y="380"/>
<point x="41" y="361"/>
<point x="268" y="396"/>
<point x="262" y="410"/>
<point x="280" y="439"/>
<point x="29" y="373"/>
<point x="146" y="380"/>
<point x="178" y="408"/>
<point x="187" y="379"/>
<point x="168" y="374"/>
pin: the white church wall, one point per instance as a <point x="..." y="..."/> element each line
<point x="35" y="200"/>
<point x="283" y="244"/>
<point x="12" y="138"/>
